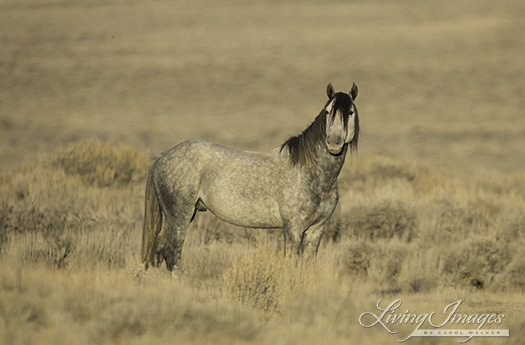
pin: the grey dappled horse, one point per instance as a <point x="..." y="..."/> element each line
<point x="293" y="187"/>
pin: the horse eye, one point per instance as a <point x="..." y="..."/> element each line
<point x="351" y="113"/>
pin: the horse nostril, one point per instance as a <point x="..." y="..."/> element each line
<point x="336" y="140"/>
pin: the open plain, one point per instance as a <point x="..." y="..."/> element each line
<point x="431" y="209"/>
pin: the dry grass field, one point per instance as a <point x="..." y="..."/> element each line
<point x="431" y="211"/>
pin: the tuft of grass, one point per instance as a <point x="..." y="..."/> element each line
<point x="256" y="280"/>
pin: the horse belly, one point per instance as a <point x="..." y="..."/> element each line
<point x="240" y="187"/>
<point x="245" y="212"/>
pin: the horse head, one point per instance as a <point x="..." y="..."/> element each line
<point x="342" y="122"/>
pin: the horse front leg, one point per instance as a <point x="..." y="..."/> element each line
<point x="312" y="239"/>
<point x="292" y="240"/>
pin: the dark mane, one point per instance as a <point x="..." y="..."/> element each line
<point x="303" y="147"/>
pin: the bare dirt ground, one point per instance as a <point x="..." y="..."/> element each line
<point x="431" y="208"/>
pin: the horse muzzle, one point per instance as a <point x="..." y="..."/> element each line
<point x="335" y="143"/>
<point x="334" y="149"/>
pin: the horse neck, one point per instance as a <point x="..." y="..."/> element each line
<point x="328" y="167"/>
<point x="307" y="151"/>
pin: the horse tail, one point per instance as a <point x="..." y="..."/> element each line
<point x="152" y="220"/>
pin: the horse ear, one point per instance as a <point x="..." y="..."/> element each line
<point x="353" y="91"/>
<point x="329" y="90"/>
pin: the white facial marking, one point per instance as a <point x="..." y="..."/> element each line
<point x="335" y="130"/>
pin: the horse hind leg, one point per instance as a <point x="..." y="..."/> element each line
<point x="175" y="233"/>
<point x="174" y="241"/>
<point x="174" y="238"/>
<point x="179" y="209"/>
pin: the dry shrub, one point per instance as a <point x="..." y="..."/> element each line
<point x="459" y="216"/>
<point x="382" y="262"/>
<point x="36" y="236"/>
<point x="512" y="233"/>
<point x="388" y="169"/>
<point x="5" y="212"/>
<point x="377" y="171"/>
<point x="514" y="277"/>
<point x="449" y="219"/>
<point x="54" y="237"/>
<point x="357" y="256"/>
<point x="475" y="262"/>
<point x="99" y="164"/>
<point x="419" y="282"/>
<point x="169" y="312"/>
<point x="54" y="217"/>
<point x="94" y="307"/>
<point x="513" y="229"/>
<point x="35" y="247"/>
<point x="50" y="221"/>
<point x="204" y="263"/>
<point x="256" y="279"/>
<point x="110" y="246"/>
<point x="383" y="220"/>
<point x="212" y="246"/>
<point x="387" y="264"/>
<point x="264" y="280"/>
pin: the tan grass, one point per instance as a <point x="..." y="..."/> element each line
<point x="431" y="210"/>
<point x="71" y="271"/>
